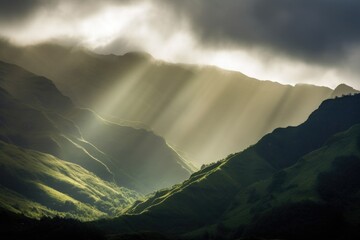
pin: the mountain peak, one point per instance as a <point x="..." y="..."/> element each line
<point x="138" y="55"/>
<point x="343" y="89"/>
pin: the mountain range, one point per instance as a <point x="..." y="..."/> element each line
<point x="85" y="153"/>
<point x="203" y="112"/>
<point x="295" y="183"/>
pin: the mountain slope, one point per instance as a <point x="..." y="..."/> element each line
<point x="145" y="157"/>
<point x="203" y="199"/>
<point x="35" y="115"/>
<point x="204" y="112"/>
<point x="37" y="185"/>
<point x="328" y="177"/>
<point x="284" y="146"/>
<point x="31" y="128"/>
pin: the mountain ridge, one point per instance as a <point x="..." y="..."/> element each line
<point x="195" y="108"/>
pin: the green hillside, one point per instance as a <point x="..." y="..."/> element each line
<point x="326" y="178"/>
<point x="212" y="193"/>
<point x="37" y="184"/>
<point x="204" y="112"/>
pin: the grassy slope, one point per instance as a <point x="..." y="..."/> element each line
<point x="196" y="202"/>
<point x="292" y="185"/>
<point x="38" y="184"/>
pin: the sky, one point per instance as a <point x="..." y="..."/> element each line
<point x="289" y="41"/>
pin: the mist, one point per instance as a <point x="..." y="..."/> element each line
<point x="199" y="33"/>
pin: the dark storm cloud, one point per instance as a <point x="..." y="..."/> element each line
<point x="19" y="11"/>
<point x="310" y="29"/>
<point x="325" y="31"/>
<point x="15" y="10"/>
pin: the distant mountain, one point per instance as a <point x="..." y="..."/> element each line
<point x="205" y="113"/>
<point x="343" y="89"/>
<point x="294" y="183"/>
<point x="35" y="115"/>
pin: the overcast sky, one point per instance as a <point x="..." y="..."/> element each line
<point x="290" y="41"/>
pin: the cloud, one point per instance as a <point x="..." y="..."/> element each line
<point x="33" y="21"/>
<point x="15" y="10"/>
<point x="20" y="11"/>
<point x="314" y="30"/>
<point x="313" y="41"/>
